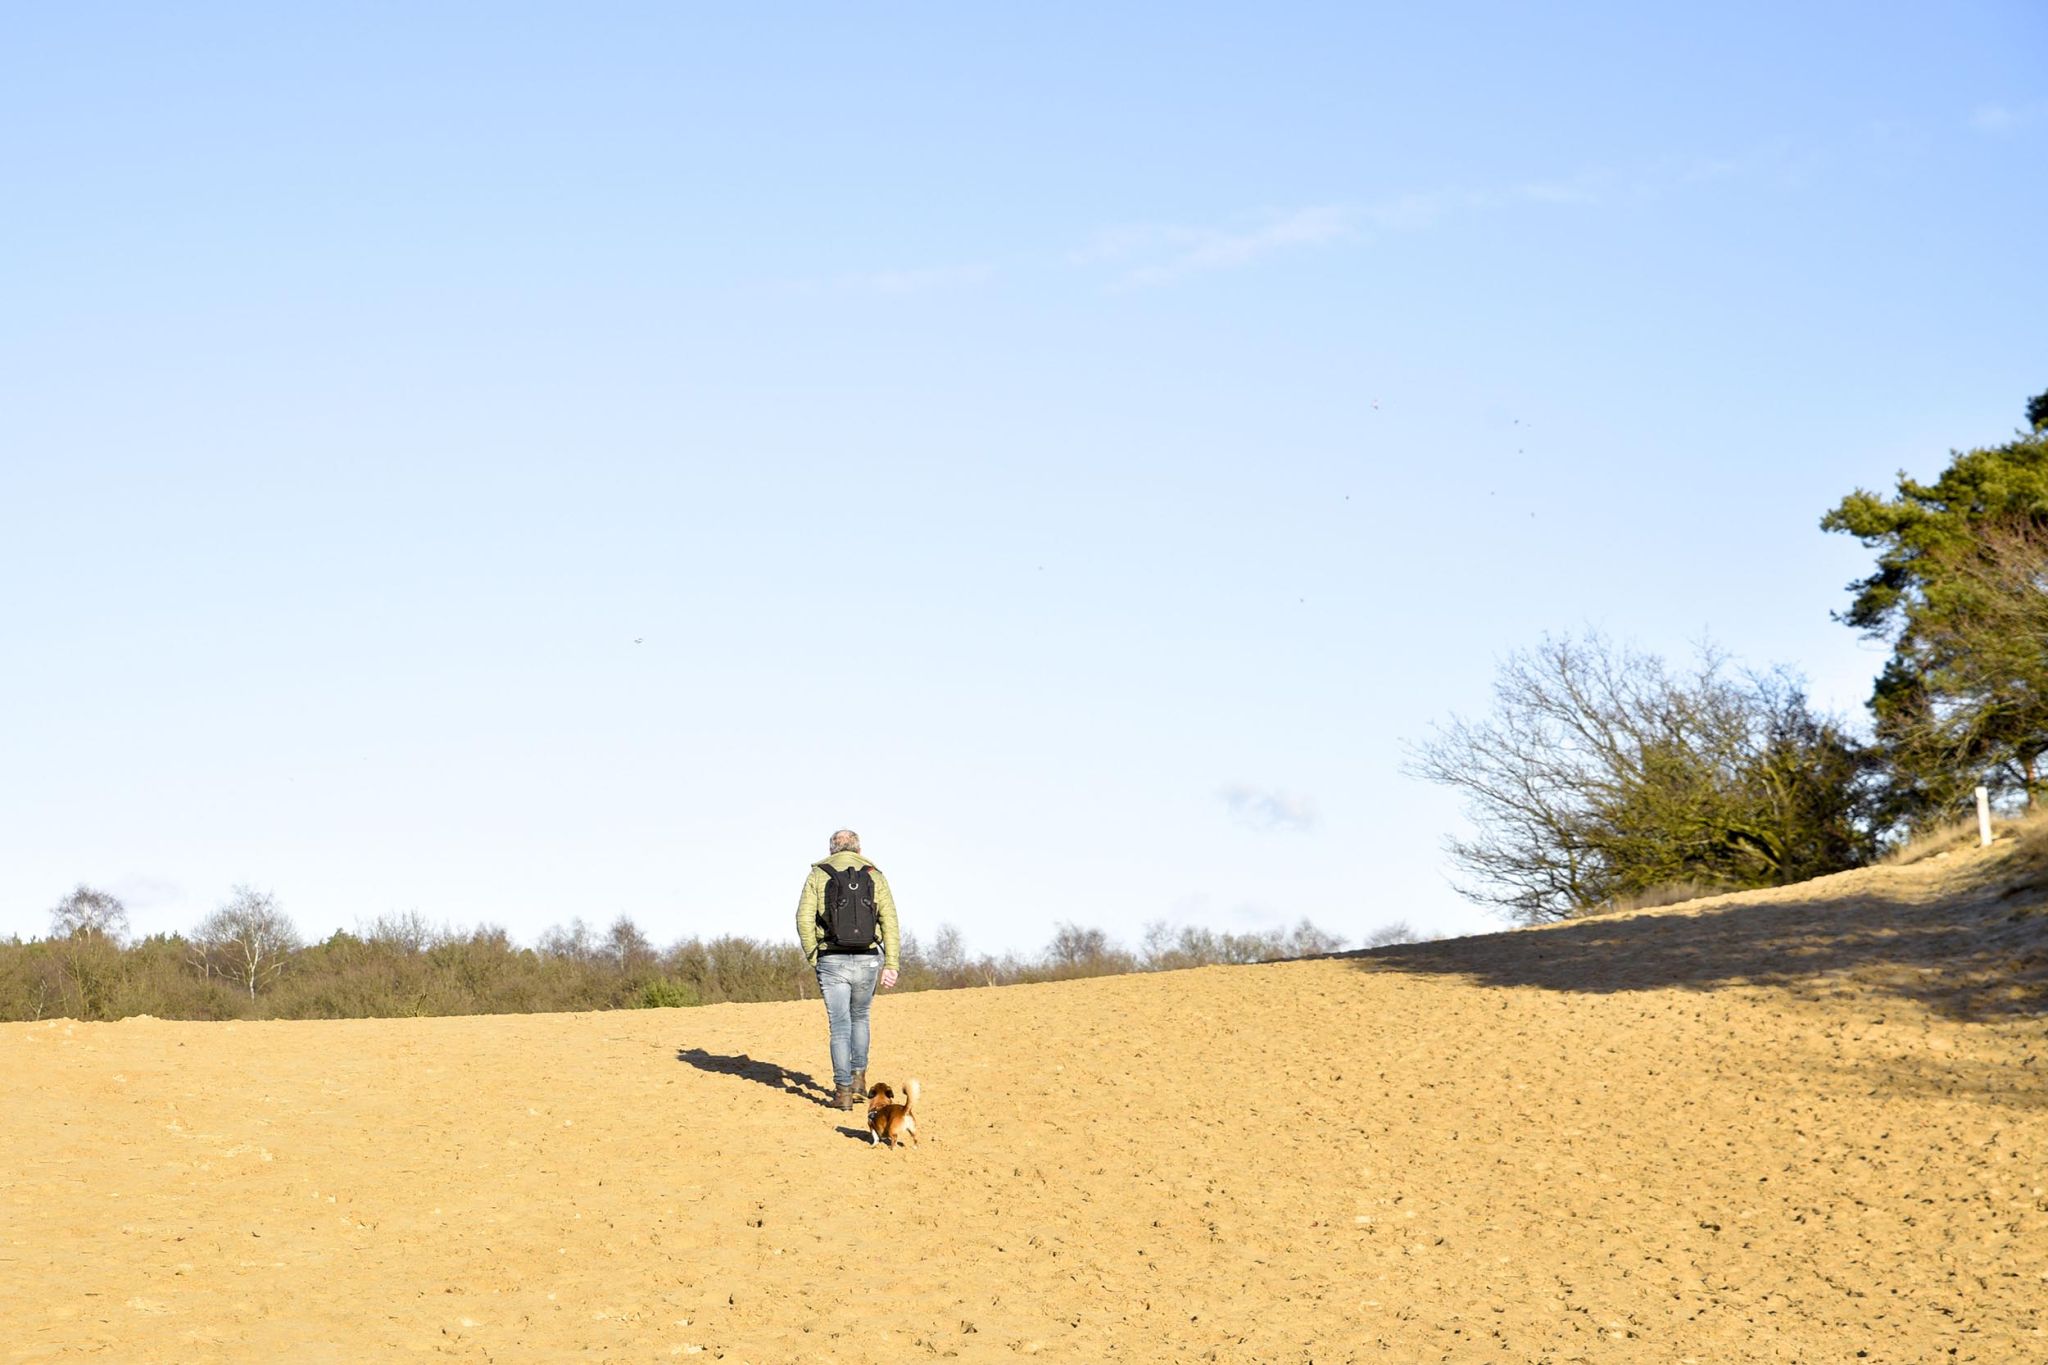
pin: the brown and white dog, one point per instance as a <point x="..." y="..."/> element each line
<point x="888" y="1121"/>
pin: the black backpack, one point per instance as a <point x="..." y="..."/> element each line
<point x="850" y="920"/>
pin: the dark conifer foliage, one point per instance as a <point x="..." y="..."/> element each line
<point x="1960" y="592"/>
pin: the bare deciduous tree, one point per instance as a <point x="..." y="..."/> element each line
<point x="406" y="930"/>
<point x="572" y="941"/>
<point x="1074" y="948"/>
<point x="627" y="947"/>
<point x="1602" y="772"/>
<point x="88" y="911"/>
<point x="248" y="940"/>
<point x="1166" y="948"/>
<point x="948" y="952"/>
<point x="1306" y="940"/>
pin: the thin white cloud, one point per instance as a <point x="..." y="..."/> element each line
<point x="1142" y="255"/>
<point x="1709" y="170"/>
<point x="1267" y="811"/>
<point x="2000" y="119"/>
<point x="1156" y="253"/>
<point x="1588" y="187"/>
<point x="1160" y="253"/>
<point x="1408" y="212"/>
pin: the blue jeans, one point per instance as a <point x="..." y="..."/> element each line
<point x="847" y="981"/>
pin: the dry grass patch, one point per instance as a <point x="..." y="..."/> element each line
<point x="2029" y="830"/>
<point x="1657" y="897"/>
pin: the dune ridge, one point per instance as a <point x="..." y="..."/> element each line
<point x="1801" y="1124"/>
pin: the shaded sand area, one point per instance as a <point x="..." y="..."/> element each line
<point x="1806" y="1125"/>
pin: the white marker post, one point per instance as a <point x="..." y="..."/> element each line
<point x="1983" y="817"/>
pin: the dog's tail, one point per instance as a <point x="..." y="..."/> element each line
<point x="910" y="1098"/>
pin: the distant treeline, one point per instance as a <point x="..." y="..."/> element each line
<point x="247" y="962"/>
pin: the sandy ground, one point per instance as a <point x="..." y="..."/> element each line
<point x="1793" y="1127"/>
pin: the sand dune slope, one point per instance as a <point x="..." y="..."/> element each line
<point x="1432" y="1154"/>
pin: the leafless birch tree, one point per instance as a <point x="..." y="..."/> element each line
<point x="88" y="911"/>
<point x="247" y="941"/>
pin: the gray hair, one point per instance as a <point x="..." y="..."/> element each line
<point x="845" y="841"/>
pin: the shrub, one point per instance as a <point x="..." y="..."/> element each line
<point x="664" y="993"/>
<point x="1391" y="933"/>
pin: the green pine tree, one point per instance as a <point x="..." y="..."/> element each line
<point x="1960" y="590"/>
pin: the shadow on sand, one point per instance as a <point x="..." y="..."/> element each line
<point x="761" y="1073"/>
<point x="1969" y="956"/>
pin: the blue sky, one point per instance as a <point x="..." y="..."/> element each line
<point x="519" y="462"/>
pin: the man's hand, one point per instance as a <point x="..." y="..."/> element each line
<point x="888" y="977"/>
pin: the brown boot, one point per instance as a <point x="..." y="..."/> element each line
<point x="843" y="1097"/>
<point x="860" y="1088"/>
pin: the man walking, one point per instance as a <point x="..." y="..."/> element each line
<point x="845" y="914"/>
